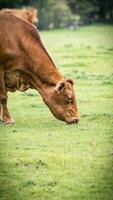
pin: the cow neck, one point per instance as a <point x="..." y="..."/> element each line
<point x="44" y="88"/>
<point x="44" y="72"/>
<point x="43" y="67"/>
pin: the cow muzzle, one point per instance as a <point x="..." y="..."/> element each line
<point x="73" y="121"/>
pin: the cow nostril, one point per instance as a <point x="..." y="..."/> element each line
<point x="76" y="120"/>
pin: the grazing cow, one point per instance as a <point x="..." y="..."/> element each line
<point x="29" y="14"/>
<point x="25" y="63"/>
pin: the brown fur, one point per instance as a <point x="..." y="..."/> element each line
<point x="28" y="14"/>
<point x="25" y="63"/>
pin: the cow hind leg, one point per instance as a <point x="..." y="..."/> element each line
<point x="0" y="112"/>
<point x="4" y="113"/>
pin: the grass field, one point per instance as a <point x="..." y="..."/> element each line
<point x="42" y="158"/>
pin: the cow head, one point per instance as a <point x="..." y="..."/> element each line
<point x="62" y="102"/>
<point x="32" y="15"/>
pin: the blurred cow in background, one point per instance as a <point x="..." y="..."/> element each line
<point x="29" y="14"/>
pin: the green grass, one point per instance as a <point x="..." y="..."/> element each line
<point x="42" y="158"/>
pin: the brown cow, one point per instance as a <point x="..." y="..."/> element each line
<point x="29" y="14"/>
<point x="25" y="63"/>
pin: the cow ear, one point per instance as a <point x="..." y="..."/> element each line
<point x="60" y="85"/>
<point x="27" y="12"/>
<point x="70" y="81"/>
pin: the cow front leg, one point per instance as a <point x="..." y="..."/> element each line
<point x="4" y="113"/>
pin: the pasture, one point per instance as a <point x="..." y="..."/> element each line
<point x="42" y="158"/>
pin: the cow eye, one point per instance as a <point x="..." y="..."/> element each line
<point x="69" y="99"/>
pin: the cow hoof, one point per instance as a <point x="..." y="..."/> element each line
<point x="8" y="121"/>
